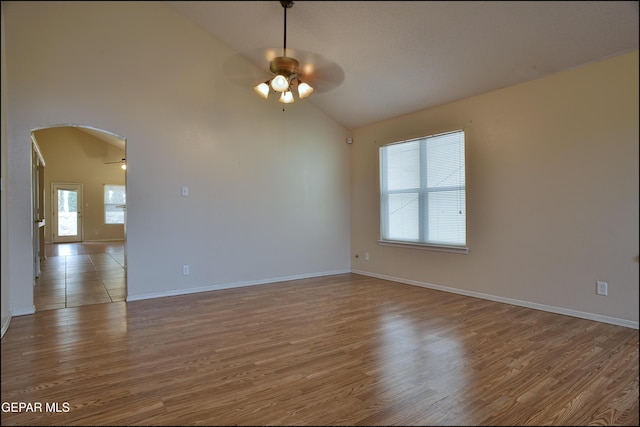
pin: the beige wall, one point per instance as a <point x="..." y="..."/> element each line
<point x="73" y="156"/>
<point x="4" y="235"/>
<point x="552" y="193"/>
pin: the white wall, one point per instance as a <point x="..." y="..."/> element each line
<point x="269" y="190"/>
<point x="4" y="235"/>
<point x="552" y="194"/>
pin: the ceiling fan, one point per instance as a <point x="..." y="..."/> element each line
<point x="123" y="163"/>
<point x="290" y="70"/>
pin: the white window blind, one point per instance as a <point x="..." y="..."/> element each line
<point x="422" y="191"/>
<point x="115" y="200"/>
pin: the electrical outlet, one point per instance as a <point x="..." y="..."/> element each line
<point x="366" y="256"/>
<point x="185" y="270"/>
<point x="602" y="288"/>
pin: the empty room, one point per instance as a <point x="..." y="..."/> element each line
<point x="320" y="213"/>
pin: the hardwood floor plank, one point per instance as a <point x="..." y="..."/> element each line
<point x="335" y="350"/>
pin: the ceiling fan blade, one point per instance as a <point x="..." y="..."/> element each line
<point x="242" y="72"/>
<point x="112" y="163"/>
<point x="251" y="67"/>
<point x="323" y="75"/>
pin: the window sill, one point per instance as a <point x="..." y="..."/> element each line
<point x="425" y="246"/>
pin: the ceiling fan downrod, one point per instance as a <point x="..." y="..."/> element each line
<point x="283" y="64"/>
<point x="286" y="4"/>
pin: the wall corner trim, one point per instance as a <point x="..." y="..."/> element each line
<point x="5" y="325"/>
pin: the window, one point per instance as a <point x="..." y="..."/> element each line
<point x="115" y="199"/>
<point x="422" y="192"/>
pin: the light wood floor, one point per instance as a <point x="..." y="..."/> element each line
<point x="77" y="274"/>
<point x="335" y="350"/>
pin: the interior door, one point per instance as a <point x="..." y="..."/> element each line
<point x="67" y="212"/>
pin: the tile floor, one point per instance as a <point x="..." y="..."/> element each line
<point x="76" y="274"/>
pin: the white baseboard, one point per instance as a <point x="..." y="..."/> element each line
<point x="231" y="285"/>
<point x="5" y="325"/>
<point x="15" y="312"/>
<point x="91" y="241"/>
<point x="23" y="311"/>
<point x="527" y="304"/>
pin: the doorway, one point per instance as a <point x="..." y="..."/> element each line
<point x="84" y="245"/>
<point x="67" y="212"/>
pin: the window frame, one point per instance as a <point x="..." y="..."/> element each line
<point x="423" y="191"/>
<point x="105" y="204"/>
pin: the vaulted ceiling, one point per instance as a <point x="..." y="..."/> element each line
<point x="398" y="57"/>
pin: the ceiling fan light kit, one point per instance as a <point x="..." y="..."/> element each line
<point x="304" y="90"/>
<point x="263" y="89"/>
<point x="286" y="71"/>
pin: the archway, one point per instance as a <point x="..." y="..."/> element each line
<point x="84" y="190"/>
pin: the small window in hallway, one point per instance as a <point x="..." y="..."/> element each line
<point x="115" y="199"/>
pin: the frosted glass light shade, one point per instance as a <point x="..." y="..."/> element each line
<point x="286" y="97"/>
<point x="304" y="90"/>
<point x="262" y="89"/>
<point x="280" y="83"/>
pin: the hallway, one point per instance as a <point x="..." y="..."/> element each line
<point x="78" y="274"/>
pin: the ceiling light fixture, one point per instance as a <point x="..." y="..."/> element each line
<point x="286" y="72"/>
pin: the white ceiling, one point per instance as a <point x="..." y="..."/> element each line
<point x="404" y="56"/>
